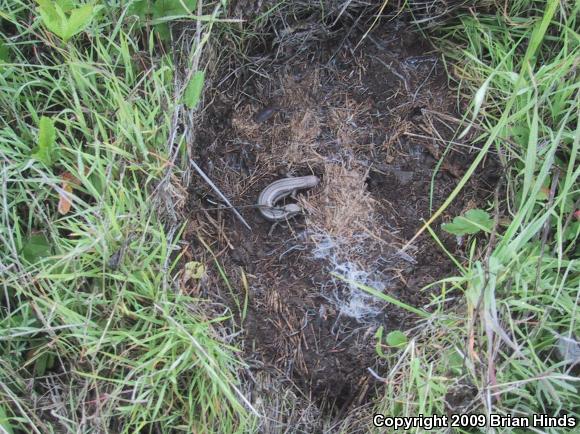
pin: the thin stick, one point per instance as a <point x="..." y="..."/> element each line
<point x="219" y="193"/>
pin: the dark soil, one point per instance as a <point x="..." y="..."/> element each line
<point x="383" y="107"/>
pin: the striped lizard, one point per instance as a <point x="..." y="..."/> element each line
<point x="280" y="189"/>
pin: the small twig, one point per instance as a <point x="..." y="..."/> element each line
<point x="345" y="38"/>
<point x="219" y="193"/>
<point x="377" y="376"/>
<point x="377" y="18"/>
<point x="395" y="72"/>
<point x="425" y="80"/>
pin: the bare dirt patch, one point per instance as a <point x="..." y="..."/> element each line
<point x="373" y="123"/>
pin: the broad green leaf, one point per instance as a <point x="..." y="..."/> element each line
<point x="192" y="93"/>
<point x="519" y="134"/>
<point x="46" y="141"/>
<point x="169" y="8"/>
<point x="66" y="5"/>
<point x="61" y="14"/>
<point x="36" y="247"/>
<point x="139" y="8"/>
<point x="472" y="222"/>
<point x="50" y="16"/>
<point x="44" y="362"/>
<point x="54" y="16"/>
<point x="454" y="361"/>
<point x="396" y="338"/>
<point x="163" y="31"/>
<point x="79" y="19"/>
<point x="4" y="422"/>
<point x="160" y="10"/>
<point x="4" y="53"/>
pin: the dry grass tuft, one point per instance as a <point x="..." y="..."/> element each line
<point x="349" y="122"/>
<point x="305" y="127"/>
<point x="244" y="123"/>
<point x="401" y="127"/>
<point x="302" y="145"/>
<point x="284" y="408"/>
<point x="300" y="89"/>
<point x="343" y="206"/>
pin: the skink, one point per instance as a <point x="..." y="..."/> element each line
<point x="279" y="190"/>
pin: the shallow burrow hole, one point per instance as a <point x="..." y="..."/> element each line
<point x="371" y="116"/>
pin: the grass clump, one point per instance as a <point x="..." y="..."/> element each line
<point x="498" y="351"/>
<point x="95" y="335"/>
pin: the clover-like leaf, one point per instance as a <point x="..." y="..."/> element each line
<point x="474" y="221"/>
<point x="396" y="339"/>
<point x="51" y="18"/>
<point x="193" y="270"/>
<point x="79" y="20"/>
<point x="62" y="19"/>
